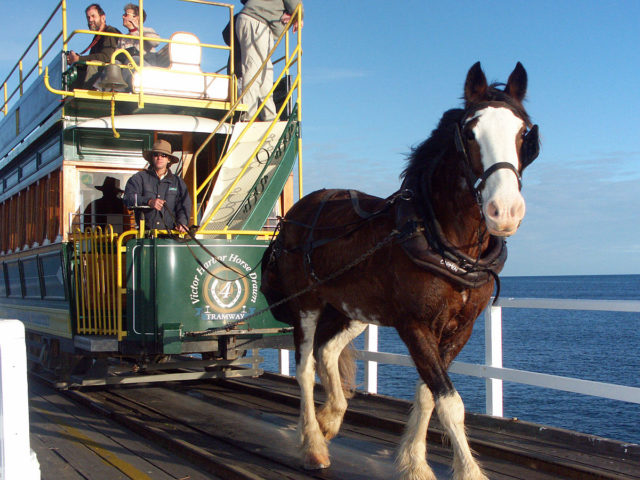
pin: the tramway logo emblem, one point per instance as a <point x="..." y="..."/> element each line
<point x="228" y="295"/>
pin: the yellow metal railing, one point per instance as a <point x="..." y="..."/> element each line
<point x="291" y="58"/>
<point x="96" y="273"/>
<point x="18" y="74"/>
<point x="18" y="69"/>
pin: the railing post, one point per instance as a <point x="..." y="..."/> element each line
<point x="283" y="361"/>
<point x="39" y="54"/>
<point x="493" y="358"/>
<point x="17" y="460"/>
<point x="371" y="368"/>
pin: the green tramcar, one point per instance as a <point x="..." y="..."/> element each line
<point x="103" y="300"/>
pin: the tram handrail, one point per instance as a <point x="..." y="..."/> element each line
<point x="61" y="6"/>
<point x="492" y="370"/>
<point x="294" y="86"/>
<point x="19" y="64"/>
<point x="290" y="59"/>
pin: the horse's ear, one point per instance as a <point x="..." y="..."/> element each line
<point x="475" y="87"/>
<point x="517" y="84"/>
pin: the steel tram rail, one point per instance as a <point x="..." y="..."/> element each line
<point x="240" y="429"/>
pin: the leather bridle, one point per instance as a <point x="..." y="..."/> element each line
<point x="529" y="151"/>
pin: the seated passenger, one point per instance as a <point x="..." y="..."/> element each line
<point x="131" y="20"/>
<point x="100" y="49"/>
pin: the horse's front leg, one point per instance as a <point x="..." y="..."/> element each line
<point x="315" y="452"/>
<point x="448" y="404"/>
<point x="450" y="410"/>
<point x="332" y="376"/>
<point x="411" y="461"/>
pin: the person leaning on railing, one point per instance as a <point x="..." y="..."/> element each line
<point x="257" y="24"/>
<point x="100" y="49"/>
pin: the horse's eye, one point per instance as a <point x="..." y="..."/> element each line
<point x="468" y="135"/>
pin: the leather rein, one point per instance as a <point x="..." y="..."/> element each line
<point x="424" y="240"/>
<point x="418" y="231"/>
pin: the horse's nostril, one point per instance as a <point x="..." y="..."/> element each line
<point x="493" y="211"/>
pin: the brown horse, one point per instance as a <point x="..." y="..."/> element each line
<point x="423" y="261"/>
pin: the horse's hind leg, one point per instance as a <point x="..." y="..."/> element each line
<point x="412" y="454"/>
<point x="314" y="447"/>
<point x="331" y="342"/>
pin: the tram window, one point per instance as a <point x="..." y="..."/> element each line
<point x="28" y="167"/>
<point x="31" y="277"/>
<point x="13" y="279"/>
<point x="3" y="282"/>
<point x="100" y="201"/>
<point x="11" y="180"/>
<point x="102" y="147"/>
<point x="51" y="265"/>
<point x="51" y="152"/>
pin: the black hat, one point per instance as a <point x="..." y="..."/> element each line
<point x="110" y="184"/>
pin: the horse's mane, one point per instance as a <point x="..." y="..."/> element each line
<point x="442" y="136"/>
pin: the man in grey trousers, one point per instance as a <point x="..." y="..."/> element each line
<point x="257" y="25"/>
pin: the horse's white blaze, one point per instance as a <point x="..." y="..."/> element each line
<point x="450" y="410"/>
<point x="502" y="204"/>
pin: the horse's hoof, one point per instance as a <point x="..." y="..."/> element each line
<point x="316" y="462"/>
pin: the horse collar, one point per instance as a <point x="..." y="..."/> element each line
<point x="424" y="242"/>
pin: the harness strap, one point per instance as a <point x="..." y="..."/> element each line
<point x="424" y="242"/>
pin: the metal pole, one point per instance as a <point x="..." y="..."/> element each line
<point x="299" y="100"/>
<point x="283" y="361"/>
<point x="39" y="54"/>
<point x="493" y="358"/>
<point x="371" y="368"/>
<point x="64" y="25"/>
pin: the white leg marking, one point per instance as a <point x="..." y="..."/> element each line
<point x="332" y="412"/>
<point x="357" y="314"/>
<point x="450" y="410"/>
<point x="314" y="447"/>
<point x="411" y="461"/>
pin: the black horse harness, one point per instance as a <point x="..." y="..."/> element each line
<point x="418" y="231"/>
<point x="424" y="241"/>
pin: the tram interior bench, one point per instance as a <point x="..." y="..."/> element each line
<point x="184" y="76"/>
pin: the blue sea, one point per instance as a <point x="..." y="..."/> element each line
<point x="599" y="346"/>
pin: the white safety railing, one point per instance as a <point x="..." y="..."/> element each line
<point x="492" y="370"/>
<point x="17" y="460"/>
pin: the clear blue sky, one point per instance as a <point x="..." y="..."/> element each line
<point x="378" y="75"/>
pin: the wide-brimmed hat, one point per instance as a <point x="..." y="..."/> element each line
<point x="160" y="146"/>
<point x="110" y="184"/>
